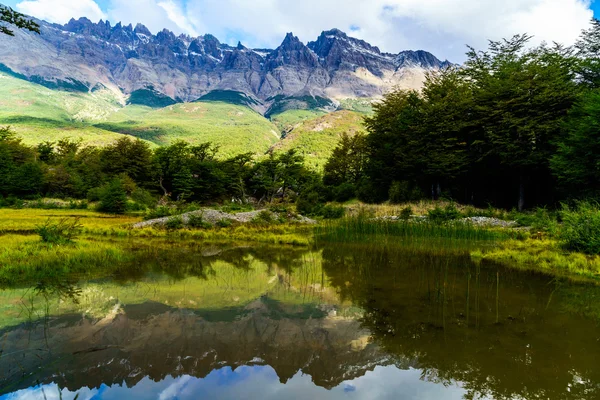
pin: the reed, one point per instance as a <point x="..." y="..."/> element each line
<point x="363" y="228"/>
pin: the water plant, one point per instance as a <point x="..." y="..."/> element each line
<point x="366" y="228"/>
<point x="61" y="232"/>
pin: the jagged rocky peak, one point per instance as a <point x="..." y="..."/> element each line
<point x="335" y="37"/>
<point x="130" y="57"/>
<point x="419" y="58"/>
<point x="142" y="30"/>
<point x="86" y="27"/>
<point x="292" y="52"/>
<point x="291" y="42"/>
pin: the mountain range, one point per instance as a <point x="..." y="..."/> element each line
<point x="163" y="68"/>
<point x="95" y="82"/>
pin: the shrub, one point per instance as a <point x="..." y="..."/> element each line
<point x="143" y="198"/>
<point x="309" y="203"/>
<point x="406" y="213"/>
<point x="581" y="228"/>
<point x="441" y="215"/>
<point x="344" y="192"/>
<point x="368" y="193"/>
<point x="159" y="212"/>
<point x="174" y="223"/>
<point x="332" y="212"/>
<point x="12" y="202"/>
<point x="94" y="194"/>
<point x="402" y="192"/>
<point x="224" y="223"/>
<point x="540" y="221"/>
<point x="197" y="221"/>
<point x="264" y="218"/>
<point x="113" y="198"/>
<point x="61" y="232"/>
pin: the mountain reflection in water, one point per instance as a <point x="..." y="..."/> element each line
<point x="192" y="322"/>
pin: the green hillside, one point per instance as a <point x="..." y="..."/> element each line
<point x="290" y="119"/>
<point x="40" y="114"/>
<point x="316" y="138"/>
<point x="235" y="128"/>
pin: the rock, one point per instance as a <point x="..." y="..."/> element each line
<point x="82" y="54"/>
<point x="490" y="222"/>
<point x="212" y="217"/>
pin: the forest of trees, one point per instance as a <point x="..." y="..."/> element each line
<point x="179" y="172"/>
<point x="515" y="126"/>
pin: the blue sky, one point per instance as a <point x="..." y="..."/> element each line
<point x="393" y="25"/>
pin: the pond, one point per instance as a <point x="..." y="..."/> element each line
<point x="190" y="321"/>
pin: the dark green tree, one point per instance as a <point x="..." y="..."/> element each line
<point x="113" y="198"/>
<point x="522" y="98"/>
<point x="277" y="174"/>
<point x="576" y="164"/>
<point x="443" y="145"/>
<point x="347" y="161"/>
<point x="131" y="157"/>
<point x="393" y="137"/>
<point x="588" y="52"/>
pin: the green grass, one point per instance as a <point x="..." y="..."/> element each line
<point x="228" y="96"/>
<point x="235" y="129"/>
<point x="39" y="114"/>
<point x="288" y="120"/>
<point x="281" y="104"/>
<point x="316" y="138"/>
<point x="98" y="225"/>
<point x="541" y="255"/>
<point x="361" y="229"/>
<point x="364" y="106"/>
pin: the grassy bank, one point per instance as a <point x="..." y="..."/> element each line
<point x="364" y="227"/>
<point x="552" y="247"/>
<point x="97" y="225"/>
<point x="26" y="258"/>
<point x="546" y="255"/>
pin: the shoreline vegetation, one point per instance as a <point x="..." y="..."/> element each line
<point x="529" y="241"/>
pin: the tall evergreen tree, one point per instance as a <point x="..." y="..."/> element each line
<point x="522" y="98"/>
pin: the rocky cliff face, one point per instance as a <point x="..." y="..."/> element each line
<point x="83" y="55"/>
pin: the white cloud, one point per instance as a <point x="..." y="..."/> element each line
<point x="155" y="14"/>
<point x="177" y="15"/>
<point x="61" y="11"/>
<point x="443" y="27"/>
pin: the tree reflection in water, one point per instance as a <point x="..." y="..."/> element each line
<point x="333" y="313"/>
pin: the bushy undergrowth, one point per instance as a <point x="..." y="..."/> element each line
<point x="113" y="198"/>
<point x="197" y="221"/>
<point x="173" y="223"/>
<point x="580" y="229"/>
<point x="441" y="215"/>
<point x="62" y="232"/>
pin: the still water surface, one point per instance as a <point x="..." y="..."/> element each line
<point x="338" y="322"/>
